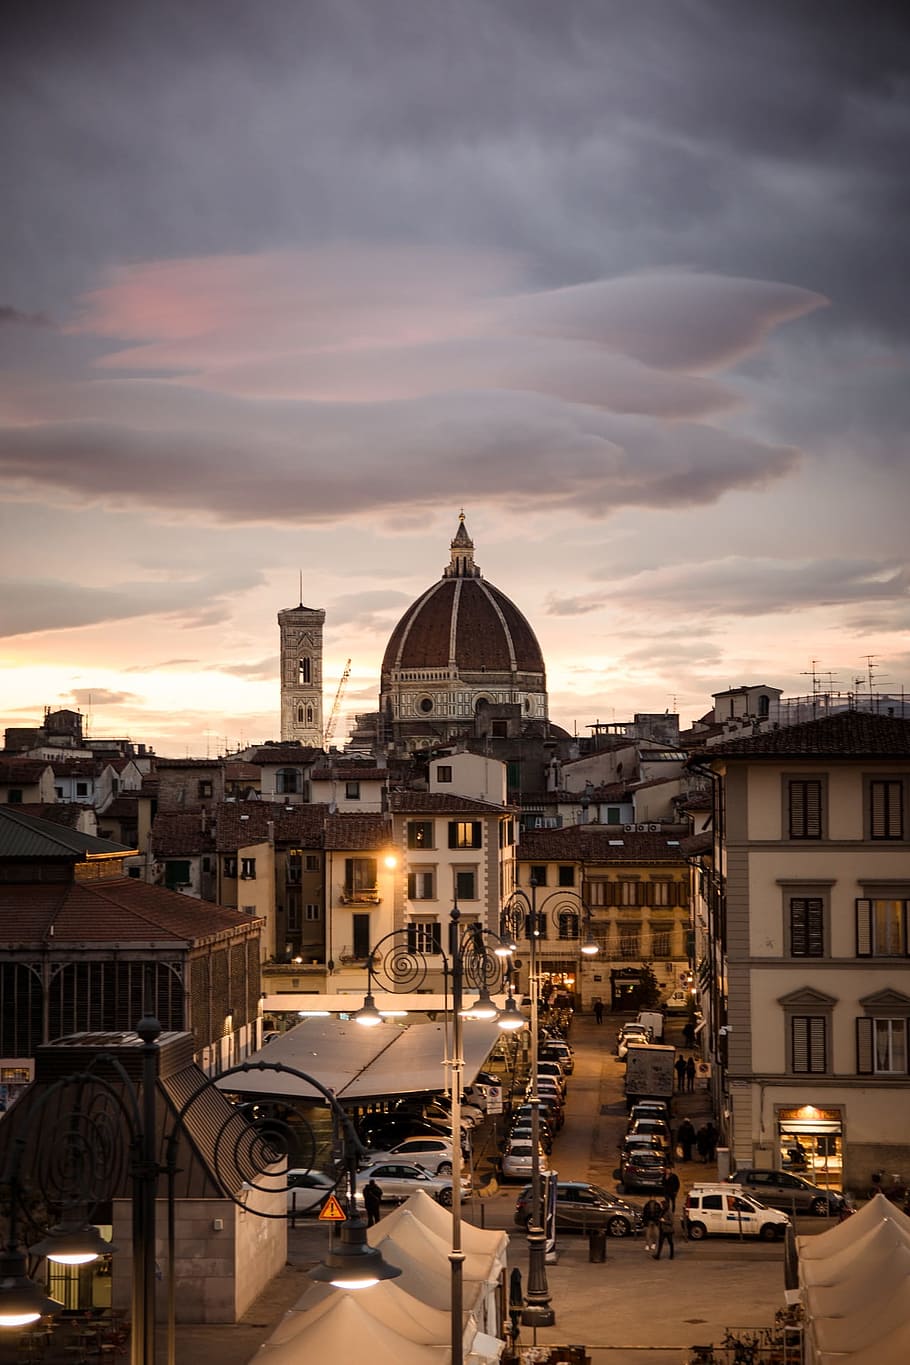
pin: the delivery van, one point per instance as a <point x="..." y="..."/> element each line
<point x="715" y="1209"/>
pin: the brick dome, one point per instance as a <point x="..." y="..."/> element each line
<point x="460" y="644"/>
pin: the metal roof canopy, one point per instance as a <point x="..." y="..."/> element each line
<point x="359" y="1063"/>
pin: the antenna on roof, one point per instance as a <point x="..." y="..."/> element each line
<point x="301" y="587"/>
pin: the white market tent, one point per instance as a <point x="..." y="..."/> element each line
<point x="346" y="1332"/>
<point x="407" y="1316"/>
<point x="855" y="1288"/>
<point x="484" y="1241"/>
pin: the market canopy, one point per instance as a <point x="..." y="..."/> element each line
<point x="364" y="1063"/>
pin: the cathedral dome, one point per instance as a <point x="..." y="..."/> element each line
<point x="461" y="645"/>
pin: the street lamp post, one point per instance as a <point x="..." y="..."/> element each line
<point x="404" y="967"/>
<point x="85" y="1161"/>
<point x="538" y="1311"/>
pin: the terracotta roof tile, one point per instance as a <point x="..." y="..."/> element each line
<point x="601" y="844"/>
<point x="408" y="802"/>
<point x="343" y="831"/>
<point x="181" y="836"/>
<point x="238" y="823"/>
<point x="848" y="734"/>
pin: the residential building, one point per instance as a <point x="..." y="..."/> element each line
<point x="633" y="884"/>
<point x="801" y="918"/>
<point x="26" y="781"/>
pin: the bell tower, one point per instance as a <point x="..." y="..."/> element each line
<point x="301" y="674"/>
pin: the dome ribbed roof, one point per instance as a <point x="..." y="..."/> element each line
<point x="463" y="622"/>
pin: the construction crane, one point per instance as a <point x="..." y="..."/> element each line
<point x="336" y="706"/>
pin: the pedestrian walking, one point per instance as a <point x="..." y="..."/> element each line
<point x="712" y="1136"/>
<point x="372" y="1200"/>
<point x="685" y="1136"/>
<point x="665" y="1230"/>
<point x="599" y="1011"/>
<point x="651" y="1218"/>
<point x="702" y="1143"/>
<point x="679" y="1066"/>
<point x="690" y="1074"/>
<point x="671" y="1187"/>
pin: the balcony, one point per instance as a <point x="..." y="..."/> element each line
<point x="361" y="895"/>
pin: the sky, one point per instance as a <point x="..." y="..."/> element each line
<point x="284" y="286"/>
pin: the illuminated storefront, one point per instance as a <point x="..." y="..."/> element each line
<point x="810" y="1142"/>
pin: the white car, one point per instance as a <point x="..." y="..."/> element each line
<point x="308" y="1191"/>
<point x="433" y="1154"/>
<point x="517" y="1161"/>
<point x="399" y="1179"/>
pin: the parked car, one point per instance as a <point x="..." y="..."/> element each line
<point x="522" y="1115"/>
<point x="642" y="1168"/>
<point x="384" y="1130"/>
<point x="553" y="1069"/>
<point x="399" y="1179"/>
<point x="439" y="1113"/>
<point x="650" y="1127"/>
<point x="560" y="1052"/>
<point x="581" y="1207"/>
<point x="635" y="1034"/>
<point x="551" y="1087"/>
<point x="517" y="1161"/>
<point x="650" y="1109"/>
<point x="521" y="1132"/>
<point x="727" y="1209"/>
<point x="308" y="1190"/>
<point x="782" y="1190"/>
<point x="433" y="1154"/>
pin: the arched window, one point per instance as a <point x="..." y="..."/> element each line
<point x="304" y="672"/>
<point x="300" y="715"/>
<point x="764" y="707"/>
<point x="309" y="715"/>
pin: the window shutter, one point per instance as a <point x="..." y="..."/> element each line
<point x="864" y="1054"/>
<point x="806" y="927"/>
<point x="437" y="938"/>
<point x="863" y="927"/>
<point x="453" y="834"/>
<point x="886" y="813"/>
<point x="817" y="1044"/>
<point x="412" y="938"/>
<point x="476" y="833"/>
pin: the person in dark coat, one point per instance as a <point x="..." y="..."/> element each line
<point x="666" y="1229"/>
<point x="650" y="1216"/>
<point x="702" y="1142"/>
<point x="689" y="1034"/>
<point x="685" y="1136"/>
<point x="372" y="1201"/>
<point x="679" y="1066"/>
<point x="599" y="1011"/>
<point x="712" y="1135"/>
<point x="690" y="1074"/>
<point x="671" y="1188"/>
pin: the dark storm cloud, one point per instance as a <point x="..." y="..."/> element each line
<point x="38" y="605"/>
<point x="591" y="136"/>
<point x="13" y="317"/>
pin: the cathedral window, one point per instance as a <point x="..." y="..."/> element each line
<point x="300" y="715"/>
<point x="309" y="715"/>
<point x="426" y="705"/>
<point x="305" y="672"/>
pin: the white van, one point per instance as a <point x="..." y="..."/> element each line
<point x="712" y="1209"/>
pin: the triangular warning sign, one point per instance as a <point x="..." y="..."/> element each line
<point x="332" y="1212"/>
